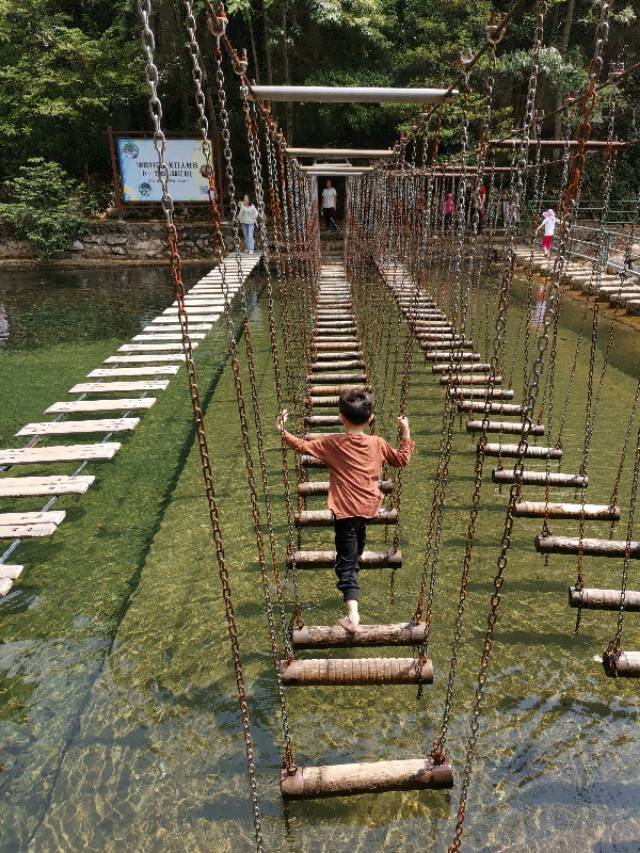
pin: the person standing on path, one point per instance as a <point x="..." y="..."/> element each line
<point x="329" y="205"/>
<point x="549" y="224"/>
<point x="448" y="209"/>
<point x="247" y="217"/>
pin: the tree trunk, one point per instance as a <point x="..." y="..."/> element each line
<point x="287" y="80"/>
<point x="563" y="48"/>
<point x="254" y="52"/>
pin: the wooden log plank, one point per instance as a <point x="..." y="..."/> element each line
<point x="337" y="378"/>
<point x="5" y="586"/>
<point x="324" y="517"/>
<point x="106" y="372"/>
<point x="542" y="509"/>
<point x="322" y="420"/>
<point x="490" y="408"/>
<point x="323" y="402"/>
<point x="63" y="453"/>
<point x="119" y="387"/>
<point x="459" y="379"/>
<point x="480" y="393"/>
<point x="532" y="452"/>
<point x="329" y="346"/>
<point x="591" y="547"/>
<point x="153" y="347"/>
<point x="73" y="406"/>
<point x="200" y="320"/>
<point x="461" y="368"/>
<point x="336" y="672"/>
<point x="52" y="517"/>
<point x="311" y="462"/>
<point x="541" y="478"/>
<point x="167" y="336"/>
<point x="342" y="364"/>
<point x="452" y="357"/>
<point x="76" y="427"/>
<point x="22" y="487"/>
<point x="503" y="426"/>
<point x="145" y="358"/>
<point x="26" y="531"/>
<point x="176" y="329"/>
<point x="321" y="487"/>
<point x="327" y="559"/>
<point x="332" y="390"/>
<point x="335" y="636"/>
<point x="604" y="599"/>
<point x="345" y="780"/>
<point x="624" y="665"/>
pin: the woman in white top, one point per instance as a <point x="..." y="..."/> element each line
<point x="329" y="204"/>
<point x="247" y="217"/>
<point x="549" y="224"/>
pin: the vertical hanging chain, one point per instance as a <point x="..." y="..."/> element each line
<point x="152" y="76"/>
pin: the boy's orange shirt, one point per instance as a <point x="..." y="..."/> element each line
<point x="355" y="464"/>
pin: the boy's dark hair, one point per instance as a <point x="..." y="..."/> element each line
<point x="356" y="406"/>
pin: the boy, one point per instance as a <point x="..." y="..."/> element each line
<point x="355" y="461"/>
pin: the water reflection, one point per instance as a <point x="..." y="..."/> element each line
<point x="539" y="310"/>
<point x="4" y="325"/>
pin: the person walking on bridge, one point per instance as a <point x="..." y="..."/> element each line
<point x="329" y="205"/>
<point x="247" y="217"/>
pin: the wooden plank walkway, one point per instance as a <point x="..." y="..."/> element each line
<point x="156" y="351"/>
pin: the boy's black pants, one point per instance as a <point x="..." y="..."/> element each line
<point x="351" y="534"/>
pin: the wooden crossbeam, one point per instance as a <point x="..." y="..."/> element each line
<point x="76" y="406"/>
<point x="119" y="387"/>
<point x="85" y="426"/>
<point x="22" y="487"/>
<point x="60" y="453"/>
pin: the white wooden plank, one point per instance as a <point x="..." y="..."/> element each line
<point x="167" y="336"/>
<point x="59" y="453"/>
<point x="175" y="328"/>
<point x="160" y="347"/>
<point x="107" y="387"/>
<point x="144" y="358"/>
<point x="26" y="531"/>
<point x="12" y="572"/>
<point x="22" y="487"/>
<point x="55" y="517"/>
<point x="132" y="371"/>
<point x="5" y="586"/>
<point x="100" y="405"/>
<point x="172" y="320"/>
<point x="75" y="427"/>
<point x="193" y="313"/>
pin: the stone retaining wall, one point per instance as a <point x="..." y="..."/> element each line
<point x="120" y="241"/>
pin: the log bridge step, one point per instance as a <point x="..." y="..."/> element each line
<point x="371" y="777"/>
<point x="541" y="478"/>
<point x="542" y="509"/>
<point x="533" y="452"/>
<point x="324" y="517"/>
<point x="623" y="665"/>
<point x="327" y="559"/>
<point x="503" y="426"/>
<point x="590" y="547"/>
<point x="489" y="408"/>
<point x="321" y="487"/>
<point x="337" y="672"/>
<point x="604" y="599"/>
<point x="461" y="379"/>
<point x="335" y="636"/>
<point x="480" y="393"/>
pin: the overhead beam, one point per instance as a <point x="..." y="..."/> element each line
<point x="349" y="94"/>
<point x="342" y="153"/>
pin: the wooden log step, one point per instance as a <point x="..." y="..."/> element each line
<point x="327" y="559"/>
<point x="541" y="478"/>
<point x="106" y="372"/>
<point x="490" y="408"/>
<point x="503" y="426"/>
<point x="541" y="509"/>
<point x="626" y="665"/>
<point x="324" y="517"/>
<point x="347" y="364"/>
<point x="469" y="379"/>
<point x="75" y="427"/>
<point x="453" y="356"/>
<point x="74" y="406"/>
<point x="153" y="347"/>
<point x="167" y="336"/>
<point x="175" y="328"/>
<point x="322" y="420"/>
<point x="331" y="342"/>
<point x="311" y="462"/>
<point x="332" y="390"/>
<point x="460" y="367"/>
<point x="171" y="319"/>
<point x="6" y="585"/>
<point x="144" y="358"/>
<point x="321" y="487"/>
<point x="346" y="354"/>
<point x="604" y="599"/>
<point x="62" y="453"/>
<point x="335" y="346"/>
<point x="479" y="393"/>
<point x="591" y="547"/>
<point x="335" y="324"/>
<point x="22" y="487"/>
<point x="370" y="777"/>
<point x="120" y="387"/>
<point x="323" y="402"/>
<point x="29" y="525"/>
<point x="338" y="378"/>
<point x="532" y="452"/>
<point x="336" y="637"/>
<point x="432" y="345"/>
<point x="336" y="672"/>
<point x="10" y="572"/>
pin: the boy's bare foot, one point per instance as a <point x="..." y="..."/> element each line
<point x="347" y="624"/>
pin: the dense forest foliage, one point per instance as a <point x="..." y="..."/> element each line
<point x="69" y="68"/>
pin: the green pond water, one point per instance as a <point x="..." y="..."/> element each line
<point x="119" y="721"/>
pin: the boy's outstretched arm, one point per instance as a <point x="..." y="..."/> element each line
<point x="400" y="457"/>
<point x="300" y="445"/>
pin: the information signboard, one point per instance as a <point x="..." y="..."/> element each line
<point x="185" y="161"/>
